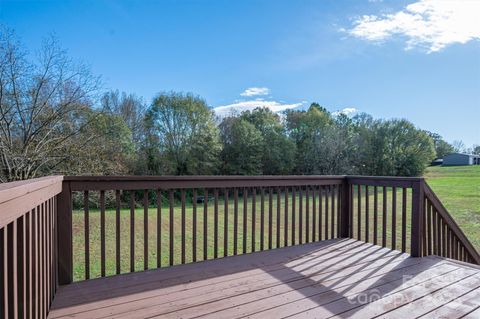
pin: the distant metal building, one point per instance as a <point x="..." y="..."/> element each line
<point x="457" y="159"/>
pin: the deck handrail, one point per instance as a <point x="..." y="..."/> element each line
<point x="29" y="246"/>
<point x="267" y="211"/>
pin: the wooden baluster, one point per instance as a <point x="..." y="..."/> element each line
<point x="117" y="233"/>
<point x="278" y="216"/>
<point x="145" y="229"/>
<point x="367" y="227"/>
<point x="205" y="223"/>
<point x="215" y="224"/>
<point x="320" y="214"/>
<point x="384" y="218"/>
<point x="183" y="247"/>
<point x="285" y="222"/>
<point x="254" y="216"/>
<point x="171" y="201"/>
<point x="87" y="234"/>
<point x="300" y="216"/>
<point x="429" y="228"/>
<point x="159" y="228"/>
<point x="132" y="231"/>
<point x="375" y="215"/>
<point x="102" y="233"/>
<point x="327" y="194"/>
<point x="434" y="230"/>
<point x="262" y="217"/>
<point x="314" y="214"/>
<point x="293" y="215"/>
<point x="194" y="225"/>
<point x="235" y="221"/>
<point x="332" y="219"/>
<point x="245" y="207"/>
<point x="225" y="222"/>
<point x="270" y="216"/>
<point x="394" y="218"/>
<point x="404" y="220"/>
<point x="307" y="214"/>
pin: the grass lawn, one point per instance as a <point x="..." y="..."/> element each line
<point x="458" y="187"/>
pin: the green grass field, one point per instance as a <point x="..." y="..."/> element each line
<point x="458" y="187"/>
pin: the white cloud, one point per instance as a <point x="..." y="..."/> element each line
<point x="238" y="107"/>
<point x="346" y="111"/>
<point x="430" y="24"/>
<point x="254" y="91"/>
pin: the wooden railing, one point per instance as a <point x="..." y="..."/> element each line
<point x="56" y="230"/>
<point x="28" y="247"/>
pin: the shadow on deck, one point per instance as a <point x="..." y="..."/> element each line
<point x="334" y="278"/>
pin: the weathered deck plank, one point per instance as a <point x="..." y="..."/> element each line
<point x="317" y="280"/>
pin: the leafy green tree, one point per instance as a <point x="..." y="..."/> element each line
<point x="183" y="133"/>
<point x="278" y="154"/>
<point x="442" y="148"/>
<point x="243" y="147"/>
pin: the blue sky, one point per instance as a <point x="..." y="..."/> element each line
<point x="417" y="59"/>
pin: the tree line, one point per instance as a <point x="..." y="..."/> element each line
<point x="55" y="120"/>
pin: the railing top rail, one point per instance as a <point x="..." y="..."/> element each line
<point x="201" y="177"/>
<point x="17" y="198"/>
<point x="382" y="178"/>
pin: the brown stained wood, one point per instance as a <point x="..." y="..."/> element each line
<point x="194" y="225"/>
<point x="375" y="215"/>
<point x="117" y="233"/>
<point x="159" y="228"/>
<point x="132" y="231"/>
<point x="183" y="243"/>
<point x="254" y="218"/>
<point x="6" y="298"/>
<point x="294" y="196"/>
<point x="64" y="235"/>
<point x="367" y="217"/>
<point x="332" y="219"/>
<point x="225" y="223"/>
<point x="429" y="228"/>
<point x="339" y="212"/>
<point x="314" y="214"/>
<point x="434" y="232"/>
<point x="259" y="290"/>
<point x="244" y="230"/>
<point x="205" y="223"/>
<point x="417" y="220"/>
<point x="394" y="218"/>
<point x="359" y="212"/>
<point x="327" y="192"/>
<point x="145" y="229"/>
<point x="235" y="221"/>
<point x="300" y="216"/>
<point x="87" y="234"/>
<point x="270" y="216"/>
<point x="262" y="218"/>
<point x="384" y="218"/>
<point x="285" y="222"/>
<point x="404" y="220"/>
<point x="307" y="215"/>
<point x="278" y="216"/>
<point x="102" y="233"/>
<point x="320" y="214"/>
<point x="215" y="223"/>
<point x="171" y="203"/>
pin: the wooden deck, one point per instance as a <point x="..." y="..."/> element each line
<point x="339" y="278"/>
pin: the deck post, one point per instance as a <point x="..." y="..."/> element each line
<point x="417" y="218"/>
<point x="345" y="222"/>
<point x="64" y="235"/>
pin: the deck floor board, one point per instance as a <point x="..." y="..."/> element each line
<point x="341" y="278"/>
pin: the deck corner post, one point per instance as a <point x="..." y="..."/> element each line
<point x="345" y="222"/>
<point x="417" y="218"/>
<point x="64" y="235"/>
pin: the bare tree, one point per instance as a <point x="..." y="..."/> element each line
<point x="41" y="106"/>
